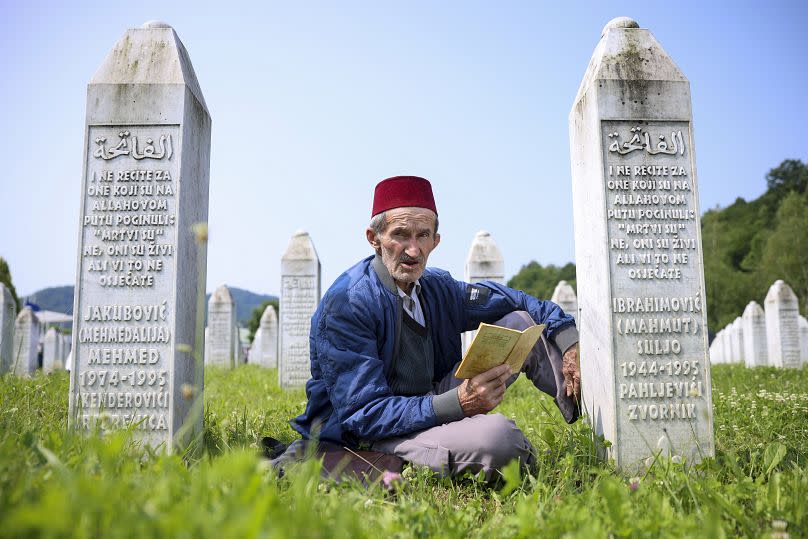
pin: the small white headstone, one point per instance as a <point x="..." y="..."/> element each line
<point x="716" y="350"/>
<point x="222" y="339"/>
<point x="782" y="331"/>
<point x="67" y="345"/>
<point x="756" y="352"/>
<point x="8" y="315"/>
<point x="264" y="350"/>
<point x="803" y="326"/>
<point x="736" y="334"/>
<point x="564" y="296"/>
<point x="640" y="275"/>
<point x="51" y="359"/>
<point x="300" y="295"/>
<point x="483" y="263"/>
<point x="26" y="342"/>
<point x="142" y="244"/>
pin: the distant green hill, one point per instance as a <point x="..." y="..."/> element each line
<point x="60" y="299"/>
<point x="56" y="298"/>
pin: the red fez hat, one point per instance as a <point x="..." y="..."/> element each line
<point x="401" y="191"/>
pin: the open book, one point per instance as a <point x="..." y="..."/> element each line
<point x="495" y="345"/>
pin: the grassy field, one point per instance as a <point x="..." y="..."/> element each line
<point x="57" y="484"/>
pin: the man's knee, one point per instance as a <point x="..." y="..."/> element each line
<point x="520" y="320"/>
<point x="501" y="441"/>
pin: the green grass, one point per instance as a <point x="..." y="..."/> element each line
<point x="57" y="484"/>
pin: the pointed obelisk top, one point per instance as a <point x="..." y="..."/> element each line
<point x="151" y="54"/>
<point x="627" y="52"/>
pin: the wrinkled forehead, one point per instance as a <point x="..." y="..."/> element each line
<point x="411" y="217"/>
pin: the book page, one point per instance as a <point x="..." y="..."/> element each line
<point x="491" y="347"/>
<point x="527" y="340"/>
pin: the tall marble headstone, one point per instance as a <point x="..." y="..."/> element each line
<point x="643" y="328"/>
<point x="755" y="350"/>
<point x="782" y="331"/>
<point x="8" y="316"/>
<point x="264" y="350"/>
<point x="221" y="345"/>
<point x="564" y="296"/>
<point x="24" y="358"/>
<point x="300" y="294"/>
<point x="483" y="263"/>
<point x="139" y="303"/>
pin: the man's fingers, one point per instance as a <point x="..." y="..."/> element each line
<point x="493" y="373"/>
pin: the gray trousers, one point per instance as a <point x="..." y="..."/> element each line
<point x="484" y="442"/>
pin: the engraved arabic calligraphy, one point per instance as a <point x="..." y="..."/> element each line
<point x="642" y="141"/>
<point x="147" y="151"/>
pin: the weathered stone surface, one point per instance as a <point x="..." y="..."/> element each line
<point x="221" y="345"/>
<point x="782" y="331"/>
<point x="137" y="353"/>
<point x="264" y="350"/>
<point x="564" y="296"/>
<point x="640" y="279"/>
<point x="300" y="295"/>
<point x="8" y="315"/>
<point x="26" y="343"/>
<point x="756" y="352"/>
<point x="483" y="263"/>
<point x="803" y="327"/>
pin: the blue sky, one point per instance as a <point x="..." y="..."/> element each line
<point x="314" y="102"/>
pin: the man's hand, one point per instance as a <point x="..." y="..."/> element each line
<point x="481" y="394"/>
<point x="572" y="372"/>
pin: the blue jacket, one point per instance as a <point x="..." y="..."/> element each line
<point x="354" y="340"/>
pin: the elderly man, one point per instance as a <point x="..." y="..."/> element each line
<point x="385" y="342"/>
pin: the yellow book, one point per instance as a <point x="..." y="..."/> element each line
<point x="495" y="345"/>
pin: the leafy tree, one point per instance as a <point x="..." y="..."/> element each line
<point x="255" y="317"/>
<point x="791" y="175"/>
<point x="5" y="278"/>
<point x="749" y="245"/>
<point x="784" y="256"/>
<point x="540" y="281"/>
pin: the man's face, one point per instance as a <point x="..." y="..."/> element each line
<point x="405" y="243"/>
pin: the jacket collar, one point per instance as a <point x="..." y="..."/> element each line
<point x="384" y="275"/>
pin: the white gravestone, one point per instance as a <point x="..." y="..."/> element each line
<point x="26" y="342"/>
<point x="51" y="353"/>
<point x="803" y="327"/>
<point x="139" y="303"/>
<point x="300" y="294"/>
<point x="264" y="351"/>
<point x="640" y="278"/>
<point x="782" y="331"/>
<point x="483" y="263"/>
<point x="66" y="344"/>
<point x="716" y="354"/>
<point x="8" y="316"/>
<point x="564" y="296"/>
<point x="221" y="337"/>
<point x="755" y="350"/>
<point x="726" y="343"/>
<point x="736" y="334"/>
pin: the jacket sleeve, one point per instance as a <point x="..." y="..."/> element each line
<point x="348" y="354"/>
<point x="488" y="301"/>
